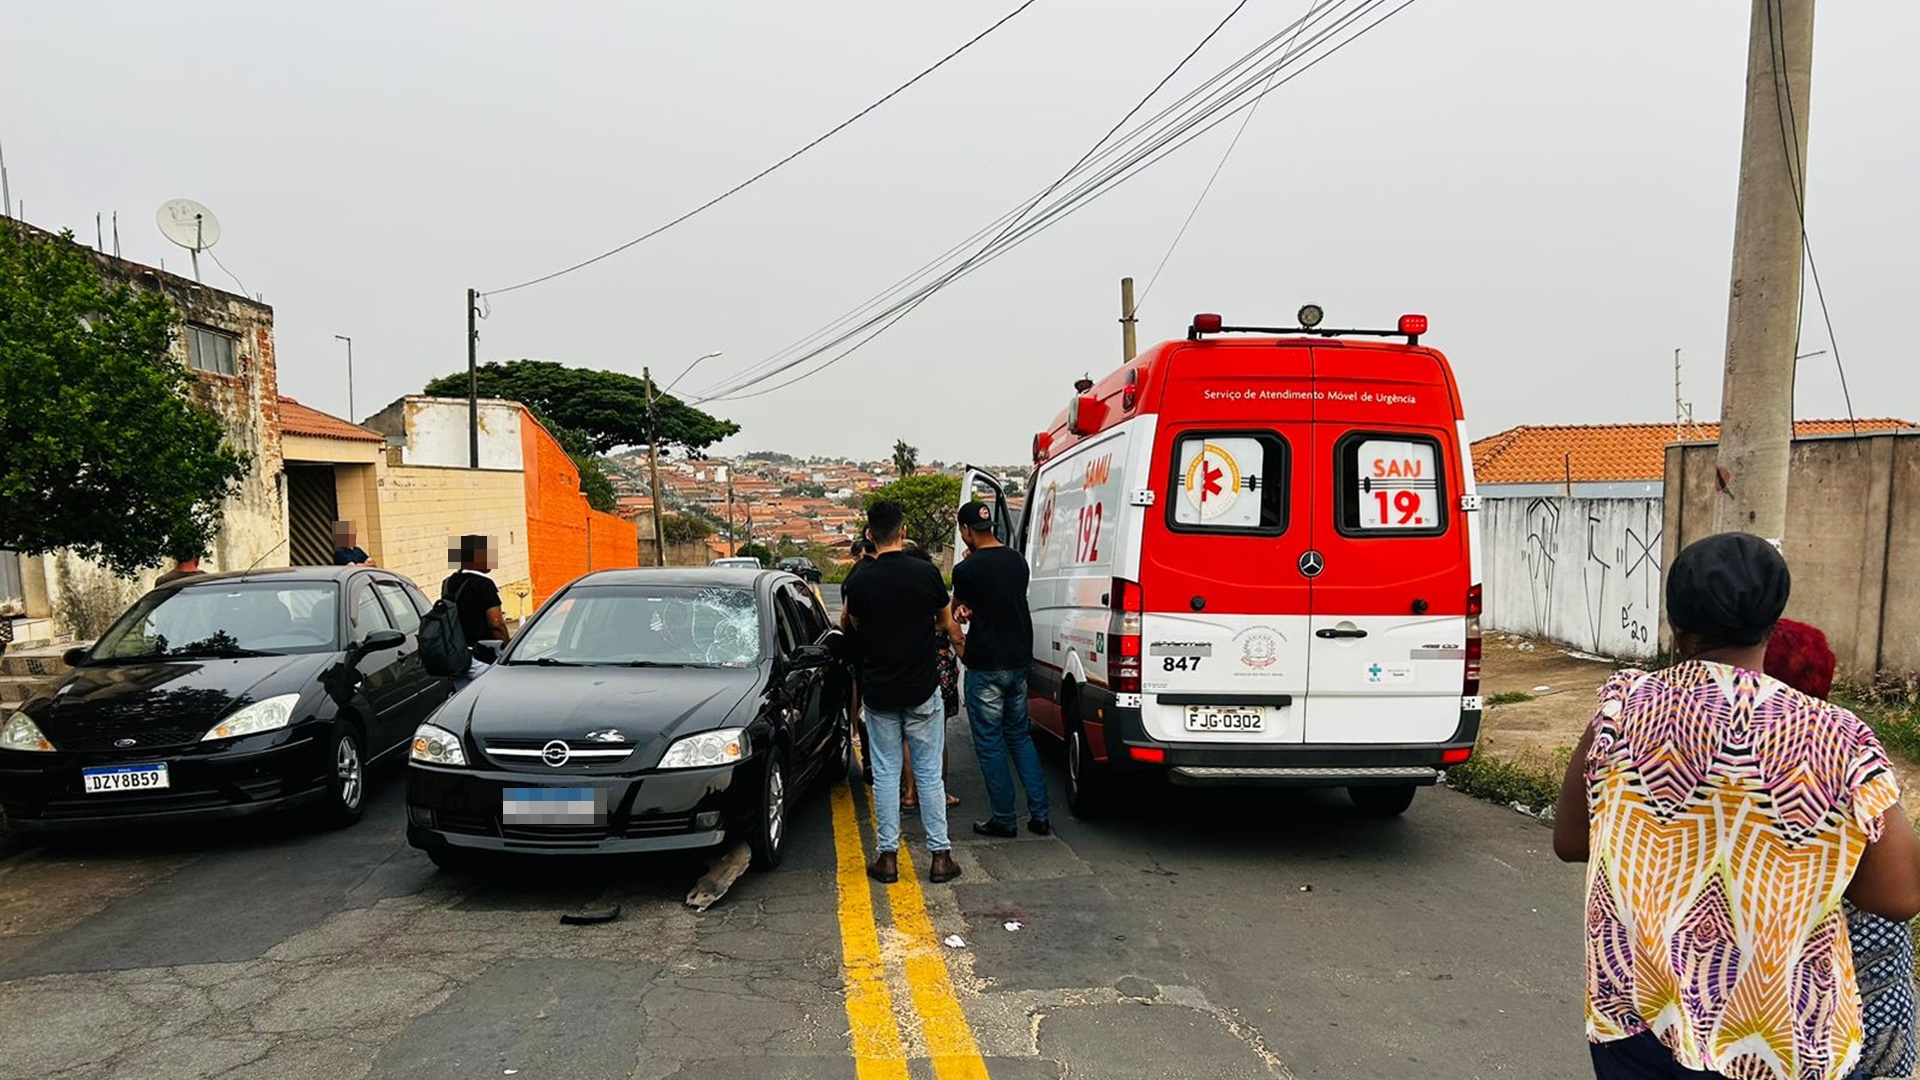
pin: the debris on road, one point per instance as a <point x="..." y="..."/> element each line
<point x="955" y="941"/>
<point x="720" y="876"/>
<point x="1011" y="927"/>
<point x="600" y="911"/>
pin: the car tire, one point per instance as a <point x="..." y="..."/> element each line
<point x="767" y="830"/>
<point x="1090" y="784"/>
<point x="1382" y="802"/>
<point x="346" y="766"/>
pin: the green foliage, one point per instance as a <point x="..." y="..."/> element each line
<point x="931" y="503"/>
<point x="1508" y="697"/>
<point x="104" y="451"/>
<point x="905" y="458"/>
<point x="684" y="528"/>
<point x="1891" y="713"/>
<point x="607" y="408"/>
<point x="759" y="551"/>
<point x="1532" y="785"/>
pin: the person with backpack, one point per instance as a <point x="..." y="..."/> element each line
<point x="475" y="600"/>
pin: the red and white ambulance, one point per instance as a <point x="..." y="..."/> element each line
<point x="1255" y="561"/>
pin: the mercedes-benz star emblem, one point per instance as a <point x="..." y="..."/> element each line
<point x="1311" y="563"/>
<point x="124" y="743"/>
<point x="556" y="753"/>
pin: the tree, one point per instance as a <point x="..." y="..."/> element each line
<point x="607" y="408"/>
<point x="905" y="458"/>
<point x="684" y="528"/>
<point x="759" y="551"/>
<point x="104" y="451"/>
<point x="931" y="503"/>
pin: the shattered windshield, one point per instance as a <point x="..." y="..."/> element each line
<point x="644" y="626"/>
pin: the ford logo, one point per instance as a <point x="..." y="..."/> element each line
<point x="556" y="753"/>
<point x="124" y="743"/>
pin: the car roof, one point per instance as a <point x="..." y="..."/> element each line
<point x="287" y="574"/>
<point x="734" y="576"/>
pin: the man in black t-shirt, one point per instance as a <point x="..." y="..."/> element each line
<point x="894" y="604"/>
<point x="990" y="596"/>
<point x="476" y="599"/>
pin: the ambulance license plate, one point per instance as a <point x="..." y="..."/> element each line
<point x="1226" y="718"/>
<point x="124" y="778"/>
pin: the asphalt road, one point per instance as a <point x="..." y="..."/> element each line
<point x="1200" y="935"/>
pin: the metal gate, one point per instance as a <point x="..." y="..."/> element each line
<point x="312" y="509"/>
<point x="10" y="586"/>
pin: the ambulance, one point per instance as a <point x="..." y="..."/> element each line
<point x="1255" y="561"/>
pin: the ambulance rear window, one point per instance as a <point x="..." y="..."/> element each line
<point x="1390" y="484"/>
<point x="1229" y="482"/>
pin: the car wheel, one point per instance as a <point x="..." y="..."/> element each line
<point x="346" y="777"/>
<point x="1382" y="801"/>
<point x="454" y="860"/>
<point x="767" y="832"/>
<point x="1089" y="784"/>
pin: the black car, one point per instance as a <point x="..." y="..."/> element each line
<point x="222" y="696"/>
<point x="638" y="711"/>
<point x="801" y="568"/>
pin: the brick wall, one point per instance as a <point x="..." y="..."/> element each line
<point x="565" y="537"/>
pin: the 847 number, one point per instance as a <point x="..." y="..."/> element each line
<point x="1180" y="663"/>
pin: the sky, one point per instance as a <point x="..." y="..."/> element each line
<point x="1552" y="184"/>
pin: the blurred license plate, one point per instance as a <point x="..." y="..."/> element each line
<point x="553" y="806"/>
<point x="1225" y="718"/>
<point x="124" y="778"/>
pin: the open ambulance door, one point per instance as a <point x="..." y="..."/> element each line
<point x="979" y="484"/>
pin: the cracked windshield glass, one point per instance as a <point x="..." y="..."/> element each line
<point x="645" y="625"/>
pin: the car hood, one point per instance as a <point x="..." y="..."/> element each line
<point x="164" y="703"/>
<point x="649" y="707"/>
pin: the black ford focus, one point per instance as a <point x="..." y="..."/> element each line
<point x="224" y="696"/>
<point x="639" y="710"/>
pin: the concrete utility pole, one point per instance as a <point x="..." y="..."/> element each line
<point x="473" y="381"/>
<point x="1128" y="347"/>
<point x="349" y="341"/>
<point x="1763" y="313"/>
<point x="653" y="471"/>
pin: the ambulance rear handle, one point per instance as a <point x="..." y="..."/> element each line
<point x="1330" y="633"/>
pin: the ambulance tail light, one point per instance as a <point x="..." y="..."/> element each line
<point x="1204" y="324"/>
<point x="1471" y="687"/>
<point x="1123" y="637"/>
<point x="1413" y="325"/>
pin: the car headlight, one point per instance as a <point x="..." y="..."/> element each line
<point x="268" y="715"/>
<point x="707" y="749"/>
<point x="437" y="746"/>
<point x="23" y="734"/>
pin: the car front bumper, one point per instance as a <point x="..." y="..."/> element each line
<point x="676" y="810"/>
<point x="43" y="793"/>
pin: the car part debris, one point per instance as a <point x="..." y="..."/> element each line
<point x="596" y="912"/>
<point x="720" y="876"/>
<point x="955" y="941"/>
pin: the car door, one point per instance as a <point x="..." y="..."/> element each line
<point x="800" y="686"/>
<point x="421" y="690"/>
<point x="382" y="681"/>
<point x="830" y="682"/>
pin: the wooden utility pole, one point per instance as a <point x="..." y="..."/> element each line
<point x="473" y="380"/>
<point x="1128" y="347"/>
<point x="653" y="472"/>
<point x="1763" y="313"/>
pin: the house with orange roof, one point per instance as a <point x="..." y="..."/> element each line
<point x="1572" y="527"/>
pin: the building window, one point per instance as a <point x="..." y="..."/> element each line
<point x="212" y="351"/>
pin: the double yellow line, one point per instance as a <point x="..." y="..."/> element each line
<point x="879" y="1051"/>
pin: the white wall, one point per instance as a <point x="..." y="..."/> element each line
<point x="1586" y="573"/>
<point x="436" y="432"/>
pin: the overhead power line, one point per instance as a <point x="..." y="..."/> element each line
<point x="763" y="173"/>
<point x="1214" y="102"/>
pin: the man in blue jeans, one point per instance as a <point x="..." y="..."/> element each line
<point x="990" y="594"/>
<point x="894" y="605"/>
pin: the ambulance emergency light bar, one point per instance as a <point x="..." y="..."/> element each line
<point x="1411" y="327"/>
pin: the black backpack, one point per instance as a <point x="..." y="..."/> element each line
<point x="443" y="643"/>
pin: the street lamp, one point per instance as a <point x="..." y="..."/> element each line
<point x="349" y="341"/>
<point x="690" y="367"/>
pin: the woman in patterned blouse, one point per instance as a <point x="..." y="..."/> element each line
<point x="1724" y="816"/>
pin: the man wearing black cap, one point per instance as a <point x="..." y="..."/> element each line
<point x="990" y="595"/>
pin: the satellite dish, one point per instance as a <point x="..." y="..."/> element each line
<point x="190" y="225"/>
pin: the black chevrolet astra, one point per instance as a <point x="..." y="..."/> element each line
<point x="223" y="696"/>
<point x="638" y="711"/>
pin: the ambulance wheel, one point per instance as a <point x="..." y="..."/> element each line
<point x="1089" y="783"/>
<point x="1382" y="801"/>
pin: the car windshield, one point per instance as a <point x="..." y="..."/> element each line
<point x="737" y="564"/>
<point x="644" y="626"/>
<point x="221" y="620"/>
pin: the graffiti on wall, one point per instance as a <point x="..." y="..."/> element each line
<point x="1583" y="572"/>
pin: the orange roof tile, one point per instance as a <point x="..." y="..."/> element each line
<point x="298" y="419"/>
<point x="1612" y="453"/>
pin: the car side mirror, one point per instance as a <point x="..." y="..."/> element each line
<point x="75" y="657"/>
<point x="810" y="656"/>
<point x="381" y="641"/>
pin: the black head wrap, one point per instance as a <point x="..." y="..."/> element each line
<point x="1730" y="589"/>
